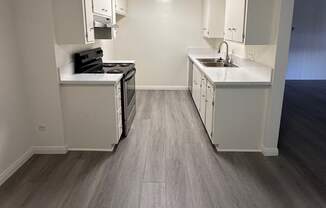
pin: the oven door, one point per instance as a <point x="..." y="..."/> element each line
<point x="129" y="92"/>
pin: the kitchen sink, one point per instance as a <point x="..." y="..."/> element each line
<point x="209" y="60"/>
<point x="218" y="64"/>
<point x="212" y="62"/>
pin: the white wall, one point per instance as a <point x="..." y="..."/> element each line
<point x="308" y="43"/>
<point x="36" y="44"/>
<point x="15" y="129"/>
<point x="284" y="13"/>
<point x="64" y="52"/>
<point x="41" y="57"/>
<point x="156" y="34"/>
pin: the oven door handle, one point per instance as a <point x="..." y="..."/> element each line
<point x="130" y="75"/>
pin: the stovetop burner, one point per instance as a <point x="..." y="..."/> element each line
<point x="113" y="71"/>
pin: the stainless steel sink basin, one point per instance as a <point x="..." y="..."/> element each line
<point x="211" y="62"/>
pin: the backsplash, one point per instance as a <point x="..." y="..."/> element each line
<point x="64" y="52"/>
<point x="264" y="54"/>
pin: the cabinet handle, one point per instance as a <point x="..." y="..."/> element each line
<point x="234" y="29"/>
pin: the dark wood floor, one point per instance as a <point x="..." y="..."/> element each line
<point x="303" y="130"/>
<point x="167" y="161"/>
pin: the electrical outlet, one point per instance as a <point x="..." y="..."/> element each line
<point x="42" y="128"/>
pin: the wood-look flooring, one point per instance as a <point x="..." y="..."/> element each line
<point x="303" y="129"/>
<point x="166" y="161"/>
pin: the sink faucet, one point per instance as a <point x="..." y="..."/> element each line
<point x="227" y="58"/>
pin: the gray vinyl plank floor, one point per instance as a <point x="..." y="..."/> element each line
<point x="166" y="161"/>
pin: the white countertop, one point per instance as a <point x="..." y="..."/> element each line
<point x="247" y="73"/>
<point x="90" y="79"/>
<point x="67" y="77"/>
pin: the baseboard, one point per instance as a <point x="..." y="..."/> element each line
<point x="161" y="87"/>
<point x="15" y="166"/>
<point x="90" y="150"/>
<point x="237" y="150"/>
<point x="50" y="150"/>
<point x="270" y="152"/>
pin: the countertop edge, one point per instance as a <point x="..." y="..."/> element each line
<point x="88" y="83"/>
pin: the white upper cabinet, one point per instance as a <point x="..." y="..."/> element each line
<point x="80" y="28"/>
<point x="249" y="21"/>
<point x="102" y="7"/>
<point x="121" y="7"/>
<point x="213" y="18"/>
<point x="235" y="19"/>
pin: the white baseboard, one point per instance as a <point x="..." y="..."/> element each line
<point x="40" y="150"/>
<point x="90" y="150"/>
<point x="270" y="152"/>
<point x="15" y="166"/>
<point x="161" y="87"/>
<point x="50" y="150"/>
<point x="237" y="150"/>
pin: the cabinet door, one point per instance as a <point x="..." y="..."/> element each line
<point x="198" y="80"/>
<point x="237" y="11"/>
<point x="228" y="22"/>
<point x="205" y="13"/>
<point x="194" y="83"/>
<point x="102" y="7"/>
<point x="209" y="109"/>
<point x="89" y="22"/>
<point x="203" y="99"/>
<point x="196" y="88"/>
<point x="121" y="6"/>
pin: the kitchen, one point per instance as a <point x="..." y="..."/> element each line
<point x="133" y="103"/>
<point x="253" y="80"/>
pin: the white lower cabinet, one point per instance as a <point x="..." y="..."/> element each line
<point x="196" y="86"/>
<point x="92" y="116"/>
<point x="232" y="115"/>
<point x="203" y="90"/>
<point x="209" y="109"/>
<point x="203" y="96"/>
